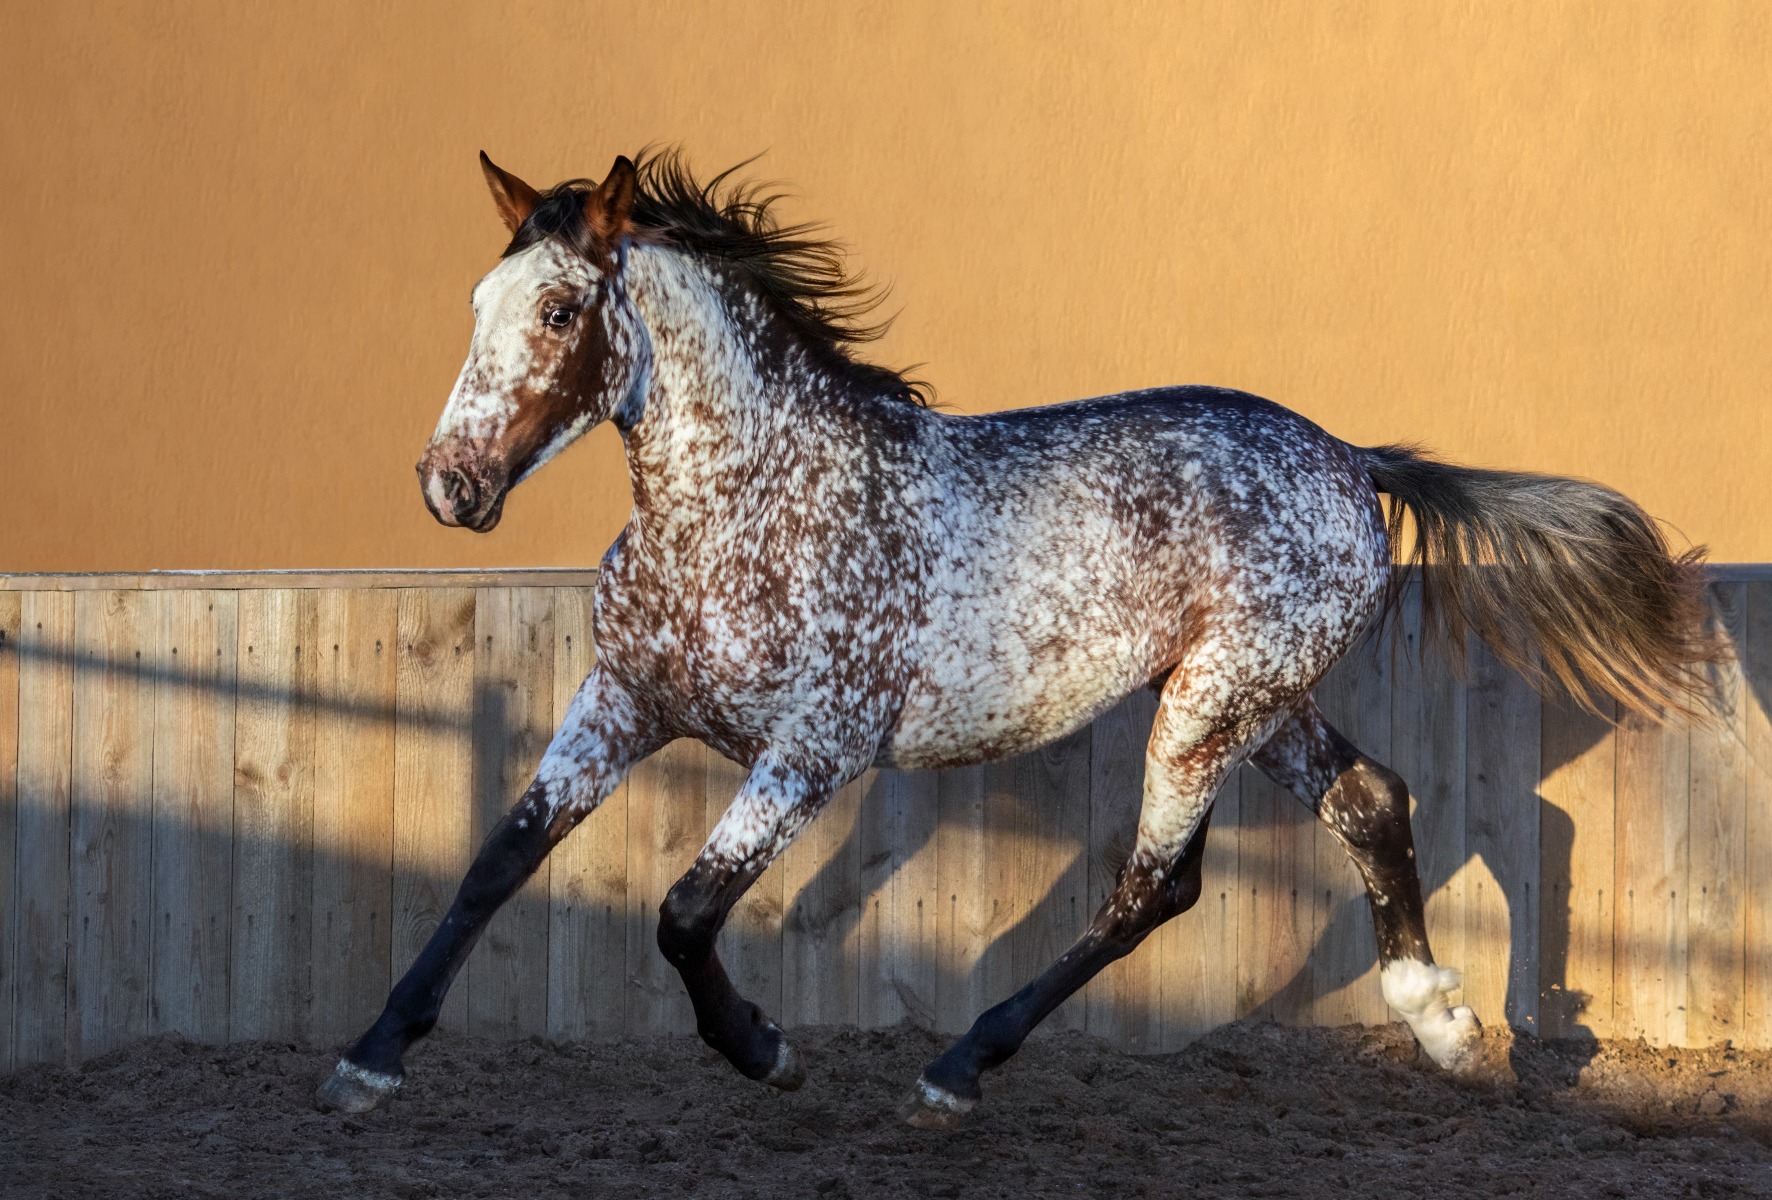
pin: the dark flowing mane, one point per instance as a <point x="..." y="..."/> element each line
<point x="802" y="275"/>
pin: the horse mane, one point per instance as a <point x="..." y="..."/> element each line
<point x="802" y="275"/>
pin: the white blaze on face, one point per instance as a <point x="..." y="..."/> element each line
<point x="503" y="362"/>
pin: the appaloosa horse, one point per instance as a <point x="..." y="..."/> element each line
<point x="822" y="575"/>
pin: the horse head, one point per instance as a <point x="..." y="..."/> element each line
<point x="557" y="346"/>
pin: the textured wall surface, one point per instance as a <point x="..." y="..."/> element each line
<point x="236" y="242"/>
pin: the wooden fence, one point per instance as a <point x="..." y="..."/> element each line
<point x="234" y="806"/>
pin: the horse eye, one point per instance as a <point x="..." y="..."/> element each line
<point x="560" y="318"/>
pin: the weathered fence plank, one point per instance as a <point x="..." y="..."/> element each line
<point x="1577" y="769"/>
<point x="45" y="798"/>
<point x="898" y="950"/>
<point x="9" y="696"/>
<point x="112" y="873"/>
<point x="1757" y="656"/>
<point x="269" y="963"/>
<point x="513" y="720"/>
<point x="667" y="823"/>
<point x="1501" y="814"/>
<point x="1716" y="906"/>
<point x="1649" y="923"/>
<point x="820" y="928"/>
<point x="968" y="921"/>
<point x="588" y="872"/>
<point x="433" y="771"/>
<point x="193" y="812"/>
<point x="356" y="683"/>
<point x="1276" y="919"/>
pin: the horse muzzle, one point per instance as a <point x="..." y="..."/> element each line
<point x="462" y="488"/>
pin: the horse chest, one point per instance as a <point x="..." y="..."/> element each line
<point x="748" y="662"/>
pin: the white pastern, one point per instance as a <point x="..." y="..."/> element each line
<point x="1421" y="992"/>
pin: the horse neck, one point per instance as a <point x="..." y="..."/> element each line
<point x="727" y="390"/>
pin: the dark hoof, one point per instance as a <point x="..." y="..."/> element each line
<point x="351" y="1089"/>
<point x="931" y="1107"/>
<point x="787" y="1073"/>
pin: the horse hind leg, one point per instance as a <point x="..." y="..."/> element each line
<point x="1366" y="806"/>
<point x="1190" y="753"/>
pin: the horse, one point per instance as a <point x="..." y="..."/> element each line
<point x="823" y="573"/>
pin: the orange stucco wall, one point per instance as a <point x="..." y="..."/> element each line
<point x="236" y="240"/>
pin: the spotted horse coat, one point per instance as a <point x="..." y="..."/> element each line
<point x="822" y="575"/>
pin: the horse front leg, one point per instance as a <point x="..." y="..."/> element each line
<point x="603" y="735"/>
<point x="774" y="804"/>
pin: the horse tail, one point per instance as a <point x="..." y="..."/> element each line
<point x="1564" y="579"/>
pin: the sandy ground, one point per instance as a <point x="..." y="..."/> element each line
<point x="1254" y="1110"/>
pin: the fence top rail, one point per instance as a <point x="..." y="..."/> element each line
<point x="228" y="581"/>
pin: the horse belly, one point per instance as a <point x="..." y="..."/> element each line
<point x="1011" y="698"/>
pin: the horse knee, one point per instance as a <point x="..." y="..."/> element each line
<point x="688" y="922"/>
<point x="509" y="855"/>
<point x="1368" y="809"/>
<point x="1146" y="895"/>
<point x="1182" y="890"/>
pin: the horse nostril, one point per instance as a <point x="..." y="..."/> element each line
<point x="463" y="495"/>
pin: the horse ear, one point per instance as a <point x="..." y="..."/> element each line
<point x="515" y="199"/>
<point x="609" y="210"/>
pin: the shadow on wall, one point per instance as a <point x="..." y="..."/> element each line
<point x="212" y="852"/>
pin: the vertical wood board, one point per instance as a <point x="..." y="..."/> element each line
<point x="667" y="824"/>
<point x="899" y="948"/>
<point x="111" y="852"/>
<point x="1716" y="900"/>
<point x="1757" y="704"/>
<point x="821" y="919"/>
<point x="9" y="700"/>
<point x="1649" y="888"/>
<point x="1578" y="762"/>
<point x="354" y="709"/>
<point x="1501" y="832"/>
<point x="588" y="871"/>
<point x="193" y="812"/>
<point x="44" y="905"/>
<point x="433" y="772"/>
<point x="969" y="917"/>
<point x="513" y="721"/>
<point x="270" y="985"/>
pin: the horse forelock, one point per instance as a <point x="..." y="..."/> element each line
<point x="801" y="276"/>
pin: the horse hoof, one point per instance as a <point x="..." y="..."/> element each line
<point x="1459" y="1046"/>
<point x="352" y="1089"/>
<point x="787" y="1073"/>
<point x="931" y="1107"/>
